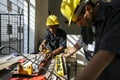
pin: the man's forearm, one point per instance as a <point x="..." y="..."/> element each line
<point x="97" y="64"/>
<point x="72" y="50"/>
<point x="58" y="50"/>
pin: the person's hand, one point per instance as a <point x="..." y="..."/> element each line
<point x="41" y="47"/>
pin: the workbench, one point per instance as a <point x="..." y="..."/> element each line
<point x="7" y="61"/>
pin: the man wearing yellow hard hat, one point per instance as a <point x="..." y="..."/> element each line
<point x="105" y="16"/>
<point x="54" y="38"/>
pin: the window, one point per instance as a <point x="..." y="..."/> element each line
<point x="21" y="11"/>
<point x="9" y="29"/>
<point x="9" y="5"/>
<point x="18" y="9"/>
<point x="20" y="29"/>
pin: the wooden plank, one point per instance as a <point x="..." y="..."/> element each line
<point x="50" y="68"/>
<point x="7" y="61"/>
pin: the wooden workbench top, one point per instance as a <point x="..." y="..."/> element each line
<point x="8" y="60"/>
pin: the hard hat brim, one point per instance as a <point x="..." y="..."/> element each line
<point x="68" y="9"/>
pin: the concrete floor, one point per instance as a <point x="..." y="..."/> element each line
<point x="72" y="71"/>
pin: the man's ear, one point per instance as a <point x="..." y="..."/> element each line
<point x="89" y="8"/>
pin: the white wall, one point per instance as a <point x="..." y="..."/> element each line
<point x="31" y="27"/>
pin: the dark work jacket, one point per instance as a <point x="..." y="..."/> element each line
<point x="88" y="38"/>
<point x="107" y="23"/>
<point x="87" y="35"/>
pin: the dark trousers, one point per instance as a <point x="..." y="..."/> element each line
<point x="88" y="55"/>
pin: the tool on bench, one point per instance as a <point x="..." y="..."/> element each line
<point x="27" y="71"/>
<point x="59" y="65"/>
<point x="40" y="59"/>
<point x="34" y="65"/>
<point x="46" y="56"/>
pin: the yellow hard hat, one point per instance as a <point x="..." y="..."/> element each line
<point x="68" y="8"/>
<point x="52" y="20"/>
